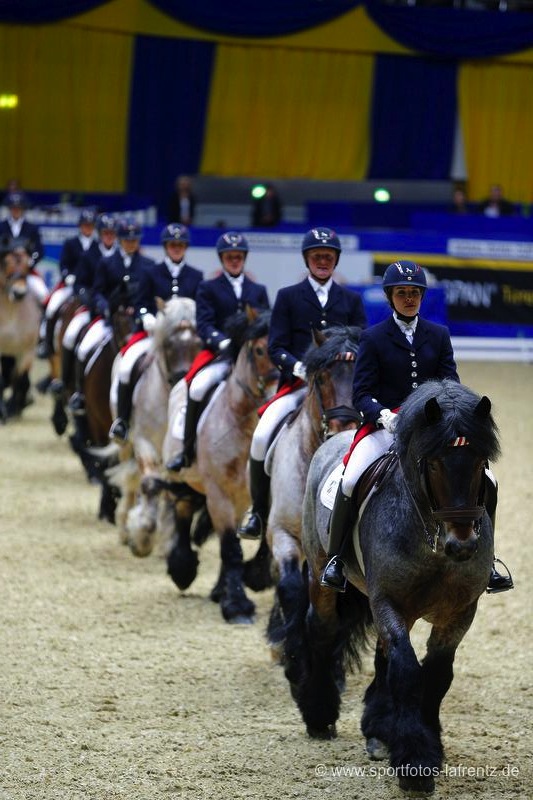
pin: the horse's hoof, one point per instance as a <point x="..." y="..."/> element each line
<point x="376" y="749"/>
<point x="241" y="619"/>
<point x="328" y="733"/>
<point x="420" y="786"/>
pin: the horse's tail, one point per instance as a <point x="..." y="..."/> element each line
<point x="356" y="623"/>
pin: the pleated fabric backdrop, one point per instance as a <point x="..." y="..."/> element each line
<point x="106" y="109"/>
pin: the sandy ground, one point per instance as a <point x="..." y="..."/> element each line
<point x="114" y="685"/>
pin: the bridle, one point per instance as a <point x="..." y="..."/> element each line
<point x="457" y="514"/>
<point x="344" y="413"/>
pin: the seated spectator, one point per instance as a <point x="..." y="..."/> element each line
<point x="182" y="203"/>
<point x="495" y="205"/>
<point x="459" y="204"/>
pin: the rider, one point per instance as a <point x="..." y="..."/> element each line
<point x="106" y="226"/>
<point x="394" y="357"/>
<point x="217" y="299"/>
<point x="71" y="253"/>
<point x="314" y="303"/>
<point x="172" y="277"/>
<point x="16" y="226"/>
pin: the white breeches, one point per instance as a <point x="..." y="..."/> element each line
<point x="38" y="288"/>
<point x="274" y="414"/>
<point x="208" y="377"/>
<point x="96" y="333"/>
<point x="78" y="321"/>
<point x="57" y="298"/>
<point x="365" y="452"/>
<point x="130" y="357"/>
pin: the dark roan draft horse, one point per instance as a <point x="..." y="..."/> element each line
<point x="423" y="549"/>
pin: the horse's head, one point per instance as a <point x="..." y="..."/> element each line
<point x="175" y="336"/>
<point x="248" y="331"/>
<point x="445" y="438"/>
<point x="330" y="363"/>
<point x="13" y="276"/>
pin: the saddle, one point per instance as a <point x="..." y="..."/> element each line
<point x="373" y="477"/>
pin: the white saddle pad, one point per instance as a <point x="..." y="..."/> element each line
<point x="329" y="489"/>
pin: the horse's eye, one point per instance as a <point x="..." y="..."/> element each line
<point x="260" y="351"/>
<point x="432" y="466"/>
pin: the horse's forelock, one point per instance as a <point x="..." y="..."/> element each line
<point x="178" y="312"/>
<point x="342" y="343"/>
<point x="420" y="438"/>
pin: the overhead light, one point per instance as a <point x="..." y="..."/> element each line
<point x="382" y="195"/>
<point x="258" y="191"/>
<point x="9" y="100"/>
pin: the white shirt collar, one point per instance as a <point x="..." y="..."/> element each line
<point x="316" y="285"/>
<point x="173" y="267"/>
<point x="16" y="226"/>
<point x="405" y="326"/>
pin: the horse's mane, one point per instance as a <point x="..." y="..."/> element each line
<point x="177" y="310"/>
<point x="240" y="329"/>
<point x="419" y="438"/>
<point x="339" y="339"/>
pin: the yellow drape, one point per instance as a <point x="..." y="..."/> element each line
<point x="69" y="129"/>
<point x="496" y="107"/>
<point x="288" y="114"/>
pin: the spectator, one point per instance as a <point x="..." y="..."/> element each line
<point x="495" y="205"/>
<point x="266" y="211"/>
<point x="459" y="203"/>
<point x="182" y="203"/>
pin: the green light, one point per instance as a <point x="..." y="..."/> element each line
<point x="9" y="100"/>
<point x="258" y="191"/>
<point x="382" y="195"/>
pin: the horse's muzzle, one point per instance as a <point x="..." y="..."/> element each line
<point x="461" y="543"/>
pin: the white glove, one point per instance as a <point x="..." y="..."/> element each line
<point x="299" y="371"/>
<point x="148" y="321"/>
<point x="223" y="345"/>
<point x="70" y="280"/>
<point x="388" y="419"/>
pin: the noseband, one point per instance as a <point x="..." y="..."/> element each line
<point x="344" y="413"/>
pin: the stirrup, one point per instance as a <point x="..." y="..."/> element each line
<point x="76" y="403"/>
<point x="251" y="526"/>
<point x="333" y="575"/>
<point x="56" y="386"/>
<point x="178" y="463"/>
<point x="499" y="583"/>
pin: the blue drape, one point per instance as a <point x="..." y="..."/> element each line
<point x="170" y="87"/>
<point x="33" y="12"/>
<point x="255" y="17"/>
<point x="457" y="33"/>
<point x="413" y="118"/>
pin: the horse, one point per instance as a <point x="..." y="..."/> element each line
<point x="422" y="548"/>
<point x="217" y="483"/>
<point x="327" y="410"/>
<point x="20" y="317"/>
<point x="174" y="344"/>
<point x="62" y="318"/>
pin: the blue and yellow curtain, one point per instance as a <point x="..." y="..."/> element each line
<point x="127" y="95"/>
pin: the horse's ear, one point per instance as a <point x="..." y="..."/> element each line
<point x="160" y="304"/>
<point x="483" y="407"/>
<point x="318" y="337"/>
<point x="251" y="313"/>
<point x="433" y="411"/>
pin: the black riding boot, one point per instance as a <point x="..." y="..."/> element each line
<point x="497" y="581"/>
<point x="68" y="364"/>
<point x="186" y="457"/>
<point x="77" y="399"/>
<point x="45" y="346"/>
<point x="339" y="525"/>
<point x="120" y="428"/>
<point x="254" y="523"/>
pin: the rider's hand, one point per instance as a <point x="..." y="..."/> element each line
<point x="388" y="420"/>
<point x="223" y="345"/>
<point x="148" y="322"/>
<point x="299" y="371"/>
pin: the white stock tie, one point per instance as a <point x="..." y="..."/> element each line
<point x="322" y="295"/>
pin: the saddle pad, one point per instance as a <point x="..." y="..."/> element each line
<point x="207" y="409"/>
<point x="331" y="484"/>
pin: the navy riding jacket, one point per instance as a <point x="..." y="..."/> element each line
<point x="388" y="368"/>
<point x="29" y="232"/>
<point x="158" y="282"/>
<point x="216" y="301"/>
<point x="116" y="285"/>
<point x="297" y="311"/>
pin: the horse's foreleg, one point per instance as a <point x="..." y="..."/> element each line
<point x="257" y="574"/>
<point x="415" y="748"/>
<point x="182" y="560"/>
<point x="236" y="607"/>
<point x="437" y="665"/>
